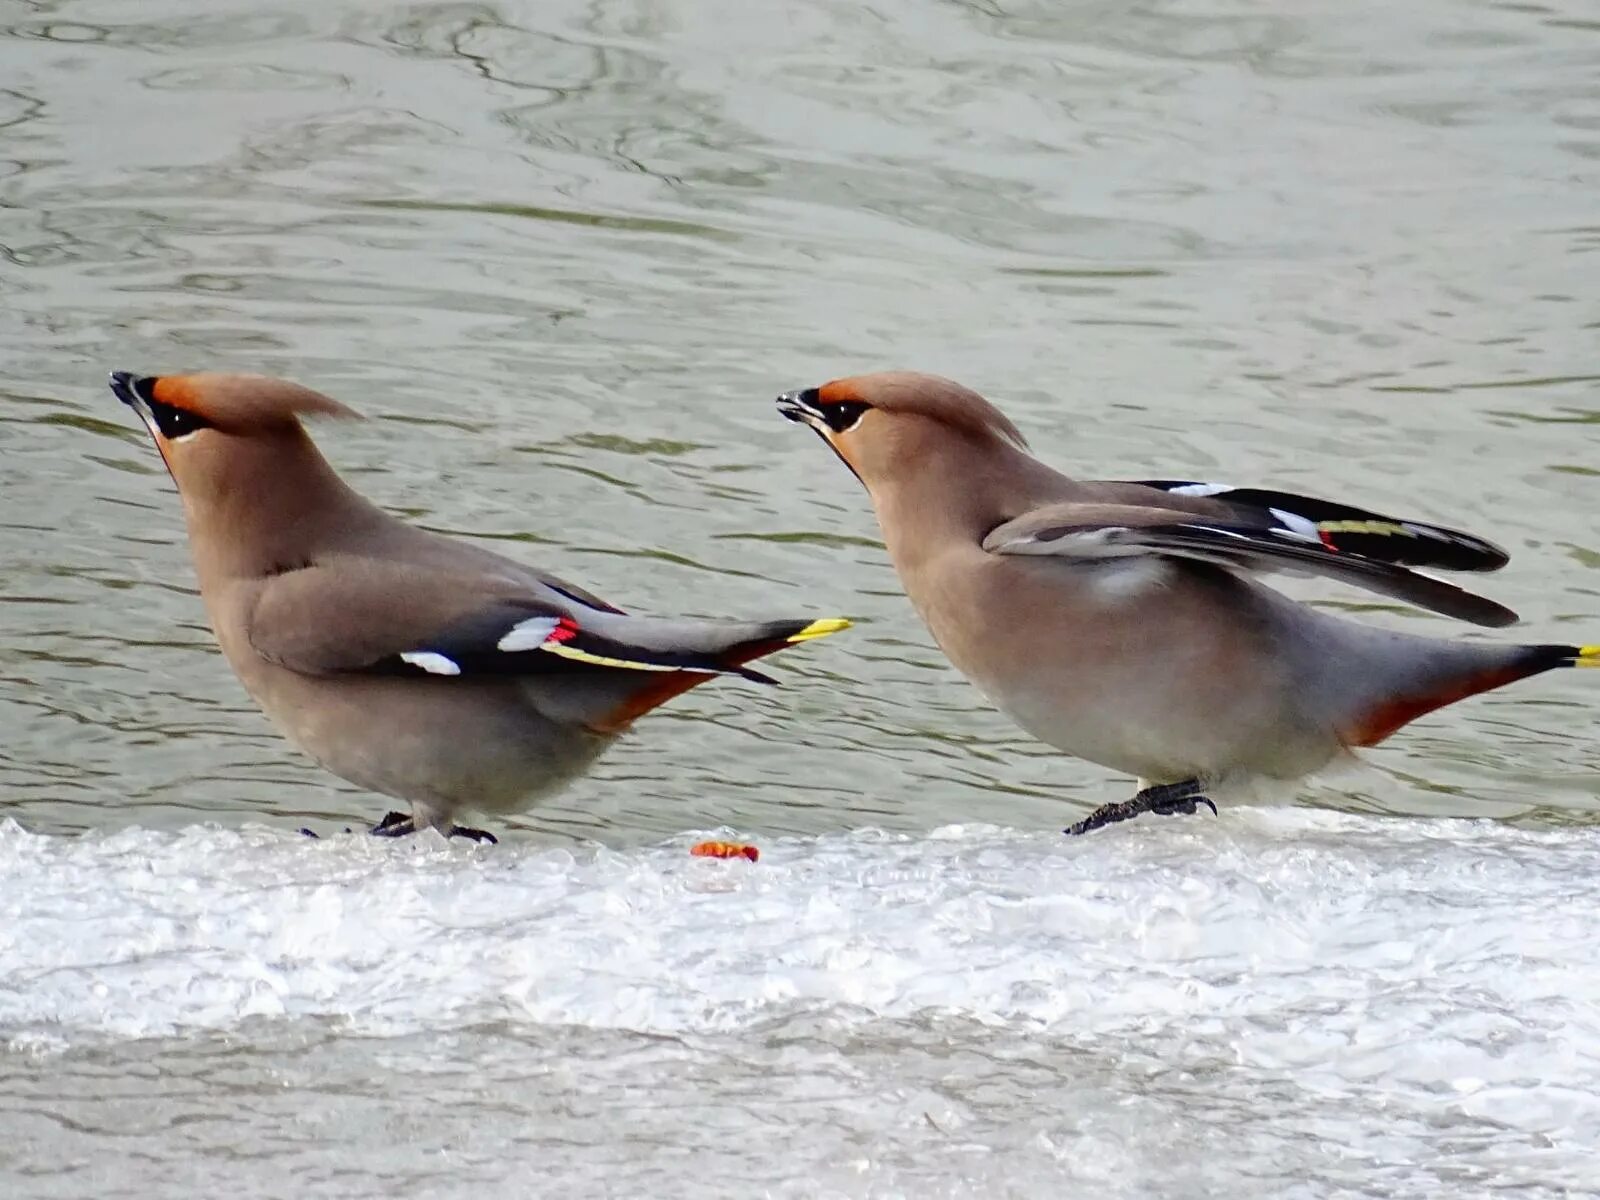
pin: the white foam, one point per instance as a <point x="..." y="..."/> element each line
<point x="1321" y="940"/>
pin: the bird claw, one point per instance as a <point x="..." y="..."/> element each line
<point x="1185" y="806"/>
<point x="1166" y="800"/>
<point x="394" y="824"/>
<point x="1106" y="814"/>
<point x="397" y="824"/>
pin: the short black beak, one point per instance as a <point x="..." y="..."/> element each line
<point x="800" y="406"/>
<point x="132" y="390"/>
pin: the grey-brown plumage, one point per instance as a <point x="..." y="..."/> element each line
<point x="1120" y="621"/>
<point x="416" y="666"/>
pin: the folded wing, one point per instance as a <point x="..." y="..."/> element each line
<point x="1341" y="528"/>
<point x="1090" y="532"/>
<point x="374" y="616"/>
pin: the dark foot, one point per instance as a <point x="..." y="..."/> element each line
<point x="1164" y="799"/>
<point x="400" y="825"/>
<point x="394" y="824"/>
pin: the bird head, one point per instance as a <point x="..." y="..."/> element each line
<point x="885" y="425"/>
<point x="219" y="433"/>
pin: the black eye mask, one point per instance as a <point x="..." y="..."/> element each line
<point x="841" y="417"/>
<point x="174" y="422"/>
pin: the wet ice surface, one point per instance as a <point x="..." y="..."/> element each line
<point x="1278" y="1002"/>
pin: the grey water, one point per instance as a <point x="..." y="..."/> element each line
<point x="562" y="255"/>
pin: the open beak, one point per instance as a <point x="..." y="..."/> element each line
<point x="802" y="406"/>
<point x="805" y="408"/>
<point x="133" y="391"/>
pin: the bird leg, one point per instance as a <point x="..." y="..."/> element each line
<point x="398" y="824"/>
<point x="1164" y="799"/>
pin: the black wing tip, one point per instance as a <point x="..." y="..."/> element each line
<point x="1494" y="615"/>
<point x="1493" y="557"/>
<point x="1385" y="577"/>
<point x="1435" y="547"/>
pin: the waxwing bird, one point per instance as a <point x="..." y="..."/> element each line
<point x="1122" y="622"/>
<point x="410" y="664"/>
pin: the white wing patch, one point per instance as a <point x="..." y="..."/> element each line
<point x="1201" y="489"/>
<point x="528" y="635"/>
<point x="1296" y="526"/>
<point x="431" y="662"/>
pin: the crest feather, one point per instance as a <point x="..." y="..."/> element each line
<point x="245" y="403"/>
<point x="943" y="400"/>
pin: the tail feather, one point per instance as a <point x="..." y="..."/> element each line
<point x="1580" y="656"/>
<point x="1549" y="657"/>
<point x="1519" y="662"/>
<point x="751" y="643"/>
<point x="779" y="635"/>
<point x="824" y="626"/>
<point x="776" y="636"/>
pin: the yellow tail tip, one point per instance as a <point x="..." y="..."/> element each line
<point x="1588" y="656"/>
<point x="829" y="625"/>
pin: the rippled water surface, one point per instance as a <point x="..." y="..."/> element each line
<point x="563" y="255"/>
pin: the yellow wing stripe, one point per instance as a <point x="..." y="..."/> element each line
<point x="1388" y="528"/>
<point x="818" y="629"/>
<point x="601" y="660"/>
<point x="1588" y="656"/>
